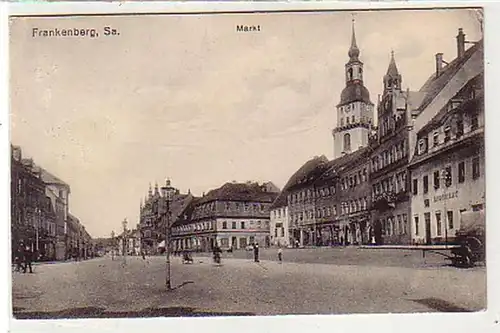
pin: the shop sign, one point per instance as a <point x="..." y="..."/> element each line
<point x="446" y="196"/>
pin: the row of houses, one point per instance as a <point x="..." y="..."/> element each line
<point x="40" y="216"/>
<point x="405" y="181"/>
<point x="233" y="216"/>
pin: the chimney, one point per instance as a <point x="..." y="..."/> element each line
<point x="439" y="63"/>
<point x="460" y="43"/>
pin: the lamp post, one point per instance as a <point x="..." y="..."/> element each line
<point x="124" y="240"/>
<point x="113" y="245"/>
<point x="167" y="192"/>
<point x="445" y="176"/>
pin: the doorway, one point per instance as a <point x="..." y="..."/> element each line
<point x="427" y="218"/>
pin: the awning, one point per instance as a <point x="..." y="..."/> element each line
<point x="161" y="245"/>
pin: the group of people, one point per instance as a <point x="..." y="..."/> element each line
<point x="24" y="258"/>
<point x="255" y="246"/>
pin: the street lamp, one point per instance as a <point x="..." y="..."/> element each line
<point x="124" y="239"/>
<point x="167" y="192"/>
<point x="446" y="178"/>
<point x="113" y="245"/>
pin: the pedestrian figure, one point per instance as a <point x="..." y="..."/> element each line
<point x="256" y="252"/>
<point x="280" y="255"/>
<point x="143" y="255"/>
<point x="28" y="258"/>
<point x="297" y="244"/>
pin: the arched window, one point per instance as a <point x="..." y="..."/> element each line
<point x="353" y="119"/>
<point x="349" y="73"/>
<point x="360" y="71"/>
<point x="347" y="142"/>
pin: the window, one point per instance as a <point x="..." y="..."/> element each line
<point x="436" y="179"/>
<point x="426" y="203"/>
<point x="460" y="127"/>
<point x="447" y="134"/>
<point x="450" y="219"/>
<point x="224" y="225"/>
<point x="415" y="186"/>
<point x="405" y="222"/>
<point x="461" y="172"/>
<point x="435" y="139"/>
<point x="276" y="232"/>
<point x="475" y="168"/>
<point x="438" y="223"/>
<point x="474" y="122"/>
<point x="341" y="121"/>
<point x="353" y="119"/>
<point x="347" y="142"/>
<point x="234" y="225"/>
<point x="422" y="146"/>
<point x="426" y="183"/>
<point x="400" y="224"/>
<point x="347" y="120"/>
<point x="447" y="176"/>
<point x="243" y="225"/>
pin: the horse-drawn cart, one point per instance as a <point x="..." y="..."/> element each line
<point x="471" y="239"/>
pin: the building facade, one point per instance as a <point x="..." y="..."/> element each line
<point x="448" y="163"/>
<point x="233" y="216"/>
<point x="40" y="210"/>
<point x="389" y="161"/>
<point x="355" y="109"/>
<point x="153" y="228"/>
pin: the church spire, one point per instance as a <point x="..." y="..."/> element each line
<point x="392" y="70"/>
<point x="353" y="50"/>
<point x="392" y="79"/>
<point x="157" y="192"/>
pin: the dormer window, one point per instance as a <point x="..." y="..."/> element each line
<point x="447" y="134"/>
<point x="422" y="146"/>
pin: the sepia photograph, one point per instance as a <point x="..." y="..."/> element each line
<point x="272" y="163"/>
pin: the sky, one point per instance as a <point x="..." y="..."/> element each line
<point x="189" y="98"/>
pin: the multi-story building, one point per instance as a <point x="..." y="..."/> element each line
<point x="153" y="228"/>
<point x="40" y="211"/>
<point x="319" y="213"/>
<point x="279" y="221"/>
<point x="353" y="200"/>
<point x="389" y="161"/>
<point x="447" y="165"/>
<point x="329" y="202"/>
<point x="233" y="216"/>
<point x="58" y="191"/>
<point x="32" y="216"/>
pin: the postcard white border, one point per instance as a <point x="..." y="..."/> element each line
<point x="464" y="322"/>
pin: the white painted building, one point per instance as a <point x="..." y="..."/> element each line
<point x="447" y="167"/>
<point x="279" y="224"/>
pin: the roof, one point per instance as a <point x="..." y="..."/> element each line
<point x="49" y="178"/>
<point x="308" y="173"/>
<point x="342" y="163"/>
<point x="435" y="83"/>
<point x="239" y="192"/>
<point x="293" y="180"/>
<point x="355" y="92"/>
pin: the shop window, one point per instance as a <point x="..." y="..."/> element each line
<point x="450" y="219"/>
<point x="438" y="223"/>
<point x="224" y="225"/>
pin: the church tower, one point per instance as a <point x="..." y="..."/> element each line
<point x="355" y="110"/>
